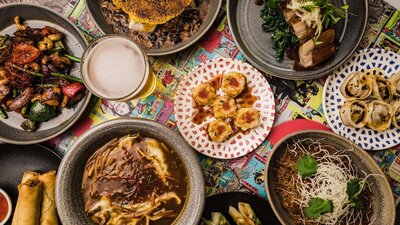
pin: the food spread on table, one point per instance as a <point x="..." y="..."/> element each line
<point x="303" y="29"/>
<point x="34" y="80"/>
<point x="156" y="24"/>
<point x="139" y="180"/>
<point x="371" y="100"/>
<point x="244" y="215"/>
<point x="319" y="184"/>
<point x="233" y="110"/>
<point x="134" y="180"/>
<point x="36" y="200"/>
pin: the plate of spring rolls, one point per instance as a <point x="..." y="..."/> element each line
<point x="237" y="208"/>
<point x="28" y="175"/>
<point x="362" y="99"/>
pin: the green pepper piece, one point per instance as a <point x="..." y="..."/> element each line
<point x="3" y="113"/>
<point x="29" y="125"/>
<point x="24" y="109"/>
<point x="40" y="112"/>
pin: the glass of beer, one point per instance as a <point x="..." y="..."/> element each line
<point x="115" y="68"/>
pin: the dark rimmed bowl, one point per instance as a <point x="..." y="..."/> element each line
<point x="384" y="208"/>
<point x="38" y="16"/>
<point x="70" y="174"/>
<point x="257" y="47"/>
<point x="94" y="8"/>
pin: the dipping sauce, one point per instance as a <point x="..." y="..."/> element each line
<point x="115" y="68"/>
<point x="3" y="207"/>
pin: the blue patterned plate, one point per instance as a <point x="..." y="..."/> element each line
<point x="387" y="62"/>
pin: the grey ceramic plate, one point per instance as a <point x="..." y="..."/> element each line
<point x="384" y="208"/>
<point x="16" y="159"/>
<point x="256" y="45"/>
<point x="68" y="187"/>
<point x="38" y="16"/>
<point x="95" y="11"/>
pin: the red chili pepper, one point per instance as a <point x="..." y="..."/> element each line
<point x="71" y="90"/>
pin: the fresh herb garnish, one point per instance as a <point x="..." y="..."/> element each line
<point x="307" y="166"/>
<point x="274" y="21"/>
<point x="353" y="190"/>
<point x="317" y="207"/>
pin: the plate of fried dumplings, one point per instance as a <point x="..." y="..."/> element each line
<point x="225" y="108"/>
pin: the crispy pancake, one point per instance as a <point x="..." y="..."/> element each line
<point x="152" y="11"/>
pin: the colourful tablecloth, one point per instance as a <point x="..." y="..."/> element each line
<point x="294" y="99"/>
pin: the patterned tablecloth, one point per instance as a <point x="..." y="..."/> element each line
<point x="294" y="99"/>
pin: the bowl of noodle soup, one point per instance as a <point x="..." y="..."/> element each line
<point x="318" y="177"/>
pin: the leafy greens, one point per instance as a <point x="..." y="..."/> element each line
<point x="274" y="21"/>
<point x="307" y="166"/>
<point x="317" y="207"/>
<point x="353" y="190"/>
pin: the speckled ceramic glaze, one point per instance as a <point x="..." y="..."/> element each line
<point x="69" y="179"/>
<point x="94" y="8"/>
<point x="382" y="197"/>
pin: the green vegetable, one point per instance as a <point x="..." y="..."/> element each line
<point x="68" y="77"/>
<point x="40" y="112"/>
<point x="273" y="3"/>
<point x="317" y="207"/>
<point x="274" y="21"/>
<point x="353" y="190"/>
<point x="307" y="166"/>
<point x="24" y="109"/>
<point x="332" y="14"/>
<point x="72" y="58"/>
<point x="3" y="114"/>
<point x="29" y="125"/>
<point x="56" y="49"/>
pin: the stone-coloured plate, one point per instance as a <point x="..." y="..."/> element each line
<point x="16" y="159"/>
<point x="37" y="17"/>
<point x="384" y="208"/>
<point x="94" y="8"/>
<point x="388" y="63"/>
<point x="256" y="45"/>
<point x="240" y="143"/>
<point x="69" y="180"/>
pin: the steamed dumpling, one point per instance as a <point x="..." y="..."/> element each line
<point x="356" y="85"/>
<point x="233" y="84"/>
<point x="219" y="130"/>
<point x="379" y="115"/>
<point x="204" y="94"/>
<point x="224" y="107"/>
<point x="247" y="118"/>
<point x="395" y="84"/>
<point x="354" y="113"/>
<point x="382" y="89"/>
<point x="396" y="116"/>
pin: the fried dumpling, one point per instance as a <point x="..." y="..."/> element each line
<point x="224" y="107"/>
<point x="396" y="116"/>
<point x="246" y="210"/>
<point x="354" y="113"/>
<point x="395" y="84"/>
<point x="356" y="85"/>
<point x="233" y="84"/>
<point x="379" y="115"/>
<point x="217" y="218"/>
<point x="204" y="94"/>
<point x="219" y="130"/>
<point x="381" y="89"/>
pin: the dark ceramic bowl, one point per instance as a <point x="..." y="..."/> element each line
<point x="94" y="8"/>
<point x="37" y="17"/>
<point x="70" y="173"/>
<point x="256" y="45"/>
<point x="384" y="209"/>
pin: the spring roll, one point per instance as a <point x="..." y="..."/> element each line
<point x="48" y="215"/>
<point x="27" y="211"/>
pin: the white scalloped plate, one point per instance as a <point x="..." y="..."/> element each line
<point x="368" y="139"/>
<point x="240" y="144"/>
